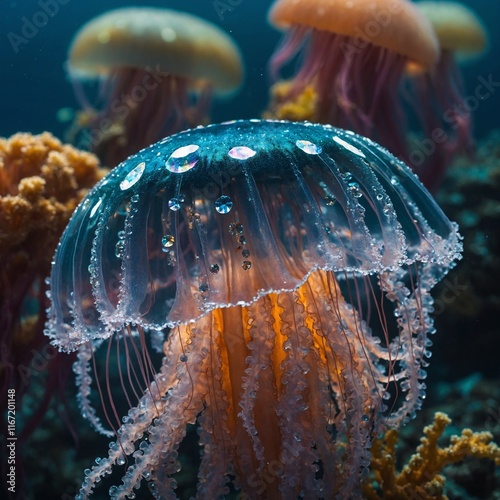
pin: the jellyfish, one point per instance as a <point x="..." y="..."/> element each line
<point x="353" y="55"/>
<point x="439" y="95"/>
<point x="158" y="68"/>
<point x="285" y="270"/>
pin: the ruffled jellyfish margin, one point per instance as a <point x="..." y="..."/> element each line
<point x="289" y="266"/>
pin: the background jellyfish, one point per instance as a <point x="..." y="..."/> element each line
<point x="289" y="266"/>
<point x="159" y="68"/>
<point x="440" y="97"/>
<point x="353" y="56"/>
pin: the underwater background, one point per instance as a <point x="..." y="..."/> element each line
<point x="34" y="83"/>
<point x="464" y="372"/>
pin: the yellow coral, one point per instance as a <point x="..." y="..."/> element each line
<point x="287" y="104"/>
<point x="41" y="182"/>
<point x="421" y="477"/>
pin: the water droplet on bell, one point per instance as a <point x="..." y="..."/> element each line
<point x="308" y="147"/>
<point x="241" y="153"/>
<point x="349" y="147"/>
<point x="133" y="176"/>
<point x="183" y="159"/>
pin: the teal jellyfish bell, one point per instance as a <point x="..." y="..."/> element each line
<point x="289" y="267"/>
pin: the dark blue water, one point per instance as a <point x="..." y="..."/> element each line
<point x="34" y="85"/>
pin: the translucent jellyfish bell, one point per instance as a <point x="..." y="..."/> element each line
<point x="290" y="266"/>
<point x="141" y="248"/>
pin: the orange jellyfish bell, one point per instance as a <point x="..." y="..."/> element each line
<point x="388" y="24"/>
<point x="354" y="56"/>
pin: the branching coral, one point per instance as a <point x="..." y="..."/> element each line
<point x="41" y="182"/>
<point x="421" y="477"/>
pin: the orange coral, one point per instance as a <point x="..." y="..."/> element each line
<point x="421" y="477"/>
<point x="41" y="182"/>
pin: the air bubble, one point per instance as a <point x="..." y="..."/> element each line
<point x="167" y="241"/>
<point x="246" y="265"/>
<point x="223" y="204"/>
<point x="235" y="228"/>
<point x="119" y="249"/>
<point x="214" y="268"/>
<point x="174" y="204"/>
<point x="355" y="190"/>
